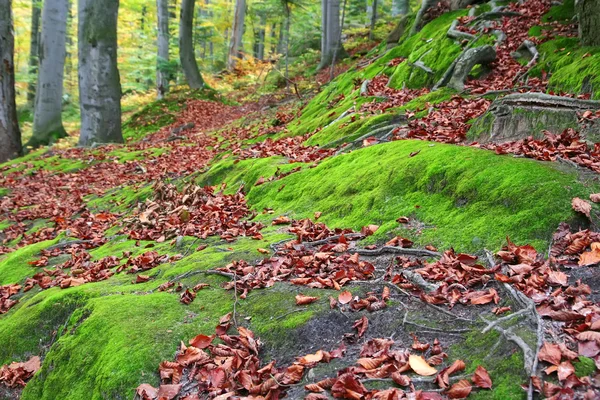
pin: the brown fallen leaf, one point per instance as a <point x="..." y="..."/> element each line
<point x="590" y="257"/>
<point x="420" y="366"/>
<point x="202" y="341"/>
<point x="595" y="197"/>
<point x="303" y="300"/>
<point x="550" y="353"/>
<point x="582" y="206"/>
<point x="361" y="325"/>
<point x="262" y="251"/>
<point x="481" y="378"/>
<point x="281" y="220"/>
<point x="460" y="390"/>
<point x="345" y="297"/>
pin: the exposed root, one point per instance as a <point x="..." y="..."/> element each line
<point x="398" y="250"/>
<point x="454" y="33"/>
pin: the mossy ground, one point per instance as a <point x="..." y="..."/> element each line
<point x="101" y="340"/>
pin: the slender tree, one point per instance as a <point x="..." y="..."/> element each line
<point x="235" y="45"/>
<point x="47" y="118"/>
<point x="162" y="76"/>
<point x="399" y="7"/>
<point x="10" y="135"/>
<point x="99" y="83"/>
<point x="373" y="20"/>
<point x="34" y="49"/>
<point x="324" y="43"/>
<point x="186" y="46"/>
<point x="589" y="21"/>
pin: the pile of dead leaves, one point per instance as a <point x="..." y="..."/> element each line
<point x="315" y="269"/>
<point x="227" y="369"/>
<point x="292" y="148"/>
<point x="447" y="123"/>
<point x="6" y="292"/>
<point x="16" y="374"/>
<point x="566" y="146"/>
<point x="565" y="303"/>
<point x="195" y="211"/>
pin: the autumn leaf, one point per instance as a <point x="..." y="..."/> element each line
<point x="595" y="197"/>
<point x="303" y="300"/>
<point x="460" y="390"/>
<point x="582" y="206"/>
<point x="551" y="353"/>
<point x="481" y="378"/>
<point x="361" y="325"/>
<point x="345" y="297"/>
<point x="590" y="257"/>
<point x="311" y="358"/>
<point x="281" y="220"/>
<point x="202" y="341"/>
<point x="420" y="366"/>
<point x="263" y="251"/>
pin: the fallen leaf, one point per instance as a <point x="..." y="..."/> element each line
<point x="582" y="206"/>
<point x="345" y="297"/>
<point x="481" y="378"/>
<point x="420" y="366"/>
<point x="303" y="300"/>
<point x="460" y="390"/>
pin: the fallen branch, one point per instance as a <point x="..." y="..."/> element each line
<point x="398" y="250"/>
<point x="417" y="280"/>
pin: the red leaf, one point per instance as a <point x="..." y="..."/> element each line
<point x="481" y="378"/>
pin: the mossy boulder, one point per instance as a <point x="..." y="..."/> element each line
<point x="519" y="116"/>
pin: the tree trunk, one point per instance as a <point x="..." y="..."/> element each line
<point x="235" y="45"/>
<point x="260" y="38"/>
<point x="47" y="118"/>
<point x="425" y="5"/>
<point x="288" y="18"/>
<point x="69" y="59"/>
<point x="162" y="76"/>
<point x="273" y="41"/>
<point x="373" y="21"/>
<point x="186" y="46"/>
<point x="324" y="43"/>
<point x="281" y="40"/>
<point x="10" y="135"/>
<point x="99" y="83"/>
<point x="333" y="36"/>
<point x="589" y="21"/>
<point x="34" y="49"/>
<point x="399" y="7"/>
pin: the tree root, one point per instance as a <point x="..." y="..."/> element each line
<point x="496" y="14"/>
<point x="448" y="74"/>
<point x="455" y="34"/>
<point x="464" y="64"/>
<point x="417" y="280"/>
<point x="535" y="55"/>
<point x="398" y="250"/>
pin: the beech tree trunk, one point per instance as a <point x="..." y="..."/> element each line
<point x="235" y="45"/>
<point x="10" y="135"/>
<point x="373" y="20"/>
<point x="47" y="117"/>
<point x="588" y="12"/>
<point x="34" y="49"/>
<point x="259" y="38"/>
<point x="333" y="38"/>
<point x="162" y="76"/>
<point x="99" y="83"/>
<point x="186" y="46"/>
<point x="399" y="7"/>
<point x="324" y="49"/>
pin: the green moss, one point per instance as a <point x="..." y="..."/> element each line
<point x="14" y="266"/>
<point x="120" y="199"/>
<point x="123" y="155"/>
<point x="562" y="13"/>
<point x="335" y="134"/>
<point x="143" y="331"/>
<point x="468" y="198"/>
<point x="431" y="46"/>
<point x="246" y="172"/>
<point x="573" y="69"/>
<point x="584" y="366"/>
<point x="505" y="365"/>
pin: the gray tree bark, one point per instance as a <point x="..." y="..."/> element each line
<point x="10" y="135"/>
<point x="259" y="38"/>
<point x="186" y="46"/>
<point x="34" y="49"/>
<point x="588" y="12"/>
<point x="235" y="45"/>
<point x="324" y="49"/>
<point x="419" y="18"/>
<point x="479" y="55"/>
<point x="373" y="20"/>
<point x="399" y="7"/>
<point x="333" y="37"/>
<point x="99" y="83"/>
<point x="162" y="78"/>
<point x="47" y="117"/>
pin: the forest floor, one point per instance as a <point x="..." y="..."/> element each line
<point x="361" y="244"/>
